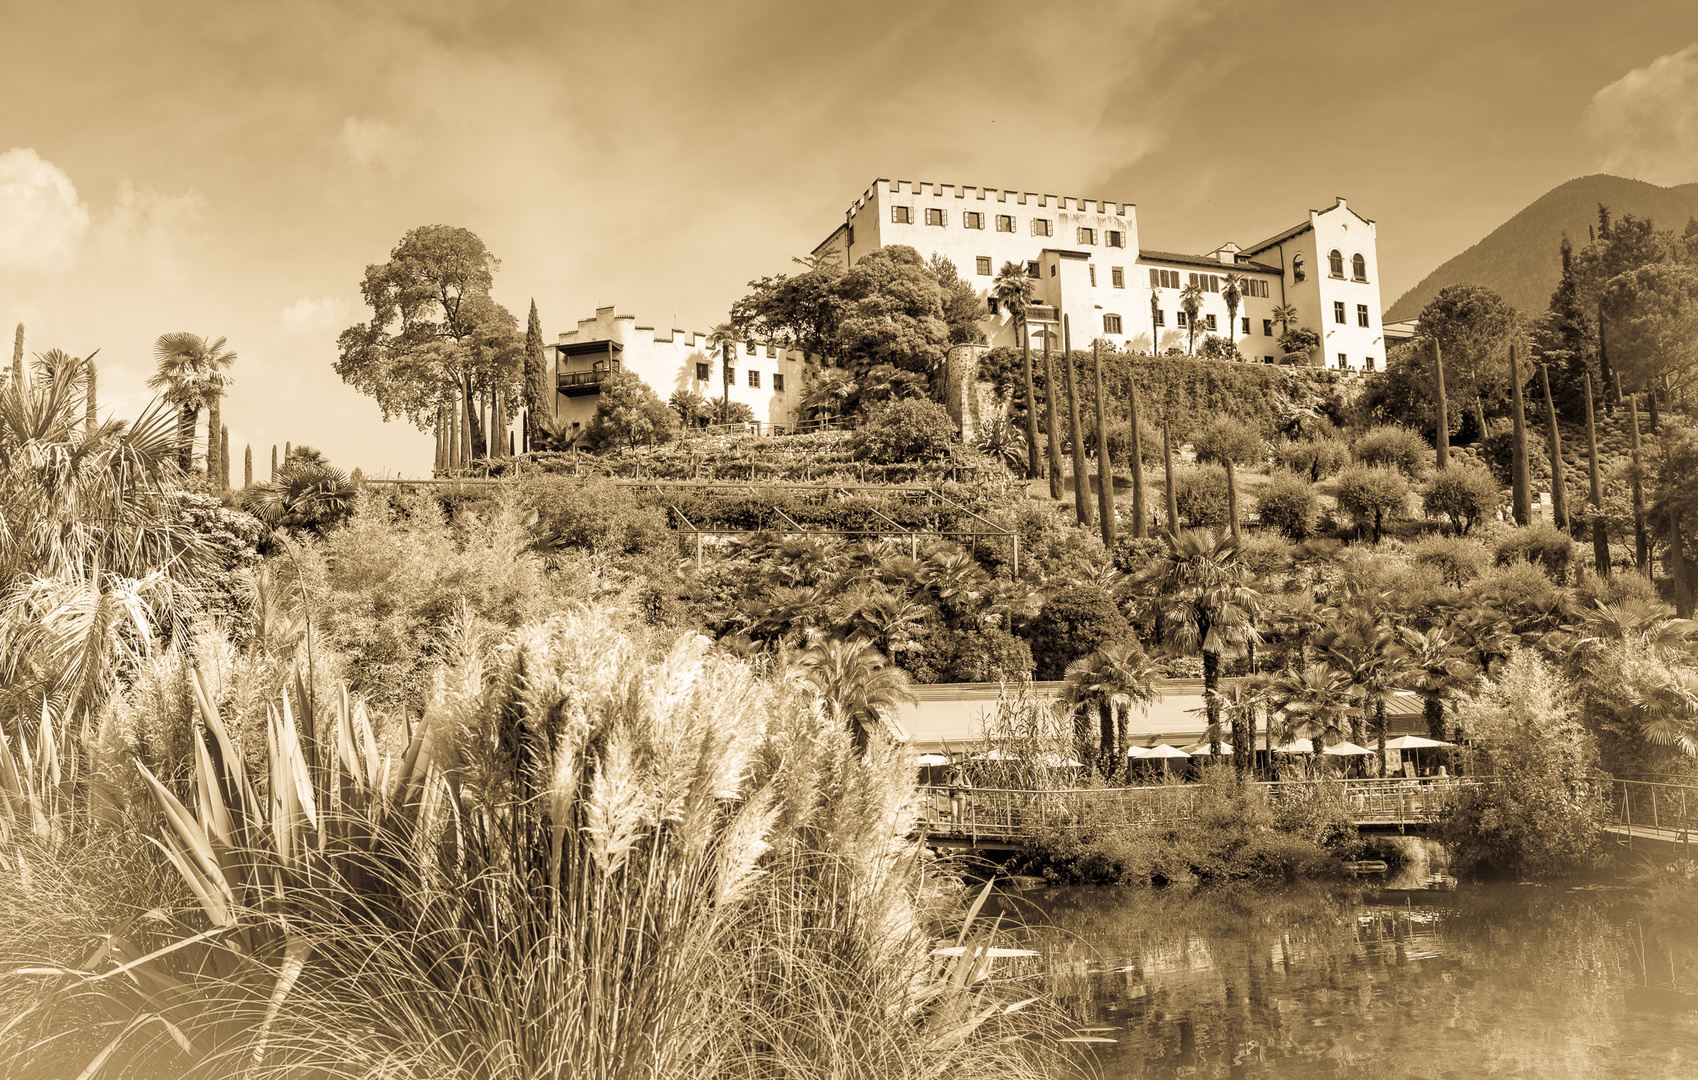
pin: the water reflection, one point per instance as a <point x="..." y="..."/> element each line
<point x="1312" y="981"/>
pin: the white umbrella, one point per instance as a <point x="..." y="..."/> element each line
<point x="1163" y="750"/>
<point x="1202" y="749"/>
<point x="1414" y="742"/>
<point x="1295" y="746"/>
<point x="926" y="761"/>
<point x="1137" y="751"/>
<point x="1346" y="749"/>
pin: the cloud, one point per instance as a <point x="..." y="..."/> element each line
<point x="378" y="143"/>
<point x="42" y="221"/>
<point x="310" y="316"/>
<point x="1647" y="120"/>
<point x="149" y="228"/>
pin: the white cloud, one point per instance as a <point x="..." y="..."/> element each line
<point x="377" y="143"/>
<point x="1647" y="120"/>
<point x="148" y="228"/>
<point x="309" y="316"/>
<point x="42" y="221"/>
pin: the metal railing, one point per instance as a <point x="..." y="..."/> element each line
<point x="1649" y="804"/>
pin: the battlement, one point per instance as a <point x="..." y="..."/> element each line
<point x="937" y="192"/>
<point x="608" y="325"/>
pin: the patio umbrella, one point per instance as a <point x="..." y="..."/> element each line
<point x="1415" y="742"/>
<point x="1295" y="746"/>
<point x="1346" y="749"/>
<point x="1202" y="749"/>
<point x="926" y="761"/>
<point x="1161" y="751"/>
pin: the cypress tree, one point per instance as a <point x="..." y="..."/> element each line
<point x="1604" y="372"/>
<point x="1600" y="535"/>
<point x="92" y="398"/>
<point x="536" y="371"/>
<point x="18" y="356"/>
<point x="223" y="458"/>
<point x="1641" y="539"/>
<point x="1140" y="524"/>
<point x="1441" y="444"/>
<point x="1232" y="500"/>
<point x="1520" y="497"/>
<point x="1167" y="463"/>
<point x="1559" y="490"/>
<point x="1105" y="467"/>
<point x="274" y="461"/>
<point x="1075" y="436"/>
<point x="1034" y="466"/>
<point x="248" y="467"/>
<point x="1049" y="421"/>
<point x="1682" y="574"/>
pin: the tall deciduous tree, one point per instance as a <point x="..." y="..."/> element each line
<point x="435" y="337"/>
<point x="1473" y="326"/>
<point x="1653" y="320"/>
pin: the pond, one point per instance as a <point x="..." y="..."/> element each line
<point x="1481" y="980"/>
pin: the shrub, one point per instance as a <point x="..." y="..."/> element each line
<point x="1464" y="494"/>
<point x="1289" y="503"/>
<point x="1120" y="442"/>
<point x="903" y="431"/>
<point x="1199" y="491"/>
<point x="1373" y="496"/>
<point x="1074" y="622"/>
<point x="1227" y="438"/>
<point x="1315" y="458"/>
<point x="1458" y="558"/>
<point x="969" y="656"/>
<point x="1394" y="447"/>
<point x="1542" y="544"/>
<point x="629" y="414"/>
<point x="593" y="515"/>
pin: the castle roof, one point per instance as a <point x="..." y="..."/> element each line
<point x="1147" y="255"/>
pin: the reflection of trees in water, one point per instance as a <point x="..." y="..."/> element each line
<point x="1308" y="980"/>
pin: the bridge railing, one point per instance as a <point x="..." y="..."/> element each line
<point x="1009" y="814"/>
<point x="1653" y="805"/>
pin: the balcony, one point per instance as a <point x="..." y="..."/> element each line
<point x="579" y="383"/>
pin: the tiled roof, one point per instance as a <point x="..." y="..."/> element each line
<point x="1145" y="254"/>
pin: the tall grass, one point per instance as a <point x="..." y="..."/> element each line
<point x="590" y="861"/>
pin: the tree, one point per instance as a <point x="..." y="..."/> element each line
<point x="631" y="414"/>
<point x="1473" y="326"/>
<point x="191" y="371"/>
<point x="1653" y="319"/>
<point x="803" y="311"/>
<point x="1373" y="496"/>
<point x="1112" y="680"/>
<point x="436" y="340"/>
<point x="1315" y="703"/>
<point x="905" y="430"/>
<point x="1434" y="668"/>
<point x="962" y="304"/>
<point x="536" y="375"/>
<point x="1298" y="344"/>
<point x="1199" y="590"/>
<point x="1290" y="504"/>
<point x="892" y="313"/>
<point x="1464" y="494"/>
<point x="1232" y="291"/>
<point x="858" y="685"/>
<point x="1362" y="647"/>
<point x="1074" y="621"/>
<point x="1191" y="303"/>
<point x="1013" y="289"/>
<point x="1226" y="438"/>
<point x="1285" y="315"/>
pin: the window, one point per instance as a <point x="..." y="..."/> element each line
<point x="772" y="352"/>
<point x="1209" y="321"/>
<point x="1179" y="319"/>
<point x="1041" y="227"/>
<point x="935" y="216"/>
<point x="1209" y="282"/>
<point x="1169" y="279"/>
<point x="703" y="373"/>
<point x="1246" y="324"/>
<point x="991" y="300"/>
<point x="1359" y="269"/>
<point x="1005" y="223"/>
<point x="851" y="236"/>
<point x="1117" y="276"/>
<point x="1267" y="359"/>
<point x="755" y="379"/>
<point x="749" y="347"/>
<point x="982" y="265"/>
<point x="1297" y="271"/>
<point x="902" y="215"/>
<point x="1253" y="288"/>
<point x="1093" y="269"/>
<point x="1087" y="236"/>
<point x="1343" y="362"/>
<point x="1361" y="314"/>
<point x="1032" y="268"/>
<point x="972" y="219"/>
<point x="778" y="383"/>
<point x="1116" y="239"/>
<point x="1338" y="312"/>
<point x="1335" y="263"/>
<point x="1159" y="317"/>
<point x="1369" y="363"/>
<point x="1267" y="328"/>
<point x="1111" y="324"/>
<point x="1053" y="267"/>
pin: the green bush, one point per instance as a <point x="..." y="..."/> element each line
<point x="1199" y="491"/>
<point x="1542" y="544"/>
<point x="968" y="656"/>
<point x="1458" y="558"/>
<point x="1074" y="622"/>
<point x="1226" y="438"/>
<point x="1464" y="494"/>
<point x="1394" y="447"/>
<point x="905" y="431"/>
<point x="1373" y="496"/>
<point x="629" y="414"/>
<point x="593" y="515"/>
<point x="1289" y="503"/>
<point x="1315" y="458"/>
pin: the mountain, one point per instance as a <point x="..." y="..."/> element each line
<point x="1520" y="259"/>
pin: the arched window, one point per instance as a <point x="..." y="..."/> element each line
<point x="1297" y="267"/>
<point x="1335" y="263"/>
<point x="1358" y="267"/>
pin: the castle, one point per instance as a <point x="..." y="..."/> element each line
<point x="1087" y="267"/>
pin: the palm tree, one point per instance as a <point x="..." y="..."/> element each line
<point x="1285" y="315"/>
<point x="1239" y="704"/>
<point x="1111" y="680"/>
<point x="721" y="338"/>
<point x="1361" y="647"/>
<point x="1668" y="711"/>
<point x="191" y="371"/>
<point x="1200" y="592"/>
<point x="855" y="681"/>
<point x="1014" y="289"/>
<point x="1436" y="669"/>
<point x="1232" y="291"/>
<point x="1315" y="704"/>
<point x="1191" y="302"/>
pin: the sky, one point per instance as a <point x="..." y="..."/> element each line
<point x="230" y="169"/>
